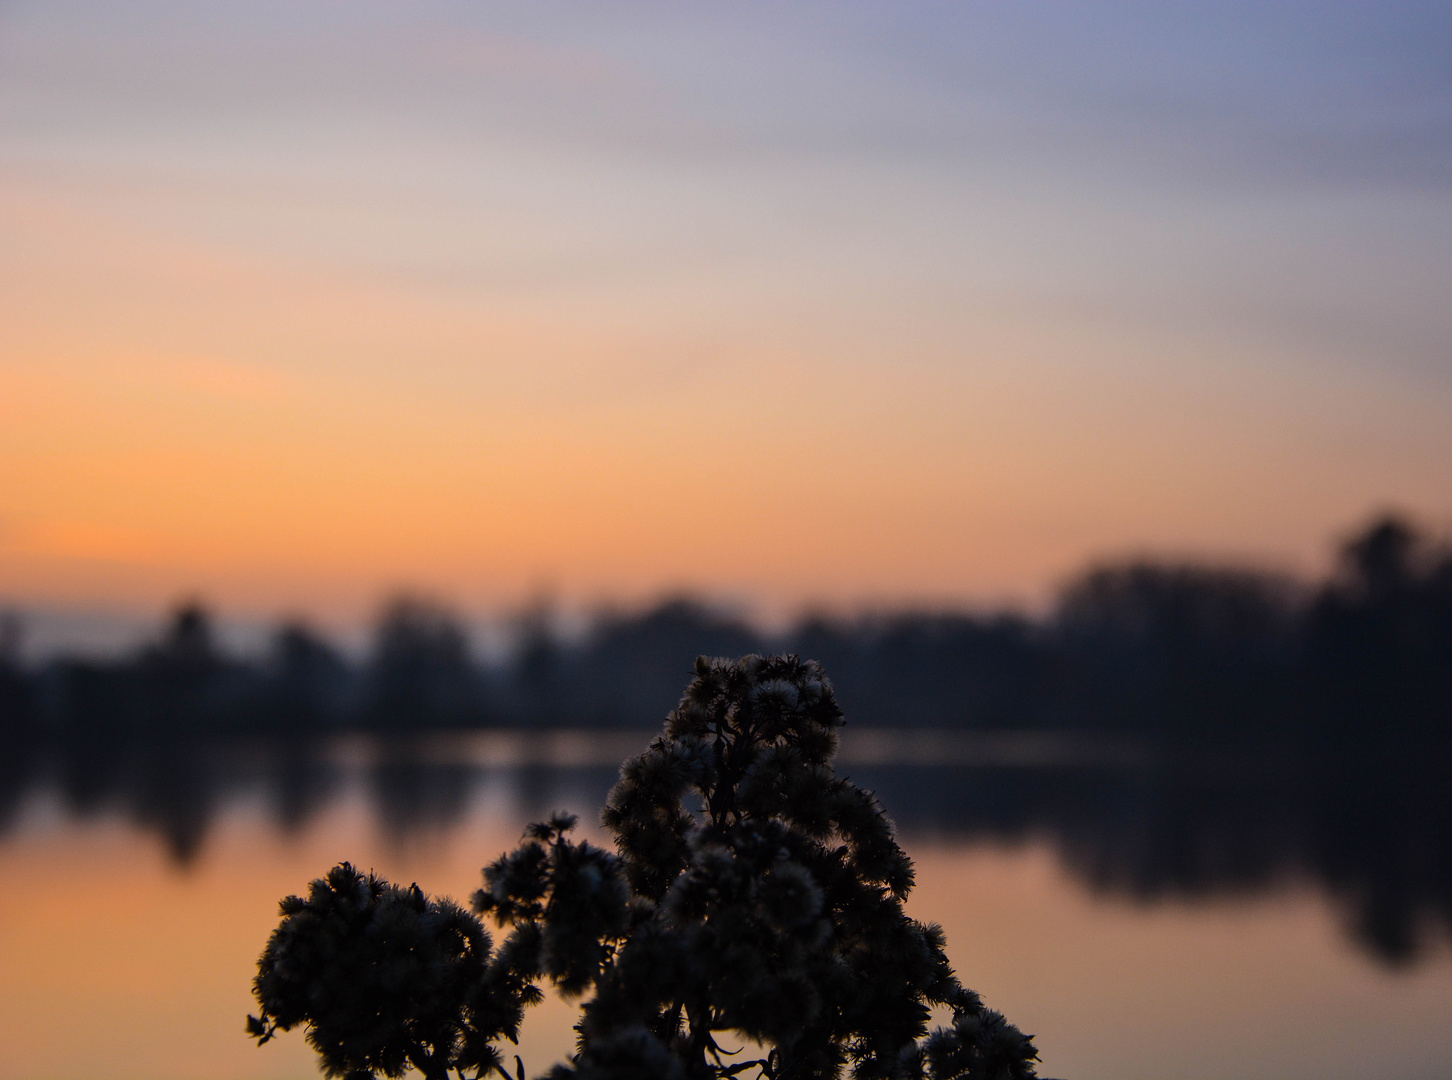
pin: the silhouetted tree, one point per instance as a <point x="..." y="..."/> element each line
<point x="630" y="664"/>
<point x="15" y="689"/>
<point x="308" y="679"/>
<point x="1181" y="652"/>
<point x="924" y="670"/>
<point x="751" y="891"/>
<point x="421" y="674"/>
<point x="537" y="666"/>
<point x="18" y="735"/>
<point x="1379" y="643"/>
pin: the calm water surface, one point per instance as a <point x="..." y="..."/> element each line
<point x="1142" y="921"/>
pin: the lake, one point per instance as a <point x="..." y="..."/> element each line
<point x="1236" y="915"/>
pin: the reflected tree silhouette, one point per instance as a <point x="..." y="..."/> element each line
<point x="413" y="796"/>
<point x="1289" y="732"/>
<point x="301" y="780"/>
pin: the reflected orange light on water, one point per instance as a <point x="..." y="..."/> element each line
<point x="1248" y="988"/>
<point x="119" y="964"/>
<point x="132" y="968"/>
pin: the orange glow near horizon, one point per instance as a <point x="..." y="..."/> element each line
<point x="391" y="439"/>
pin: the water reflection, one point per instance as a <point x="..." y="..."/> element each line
<point x="1171" y="731"/>
<point x="1127" y="822"/>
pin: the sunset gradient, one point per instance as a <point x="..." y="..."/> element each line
<point x="305" y="303"/>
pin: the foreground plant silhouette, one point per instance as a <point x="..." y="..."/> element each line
<point x="752" y="892"/>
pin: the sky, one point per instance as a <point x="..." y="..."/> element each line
<point x="786" y="304"/>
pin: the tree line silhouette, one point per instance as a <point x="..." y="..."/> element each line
<point x="1286" y="729"/>
<point x="1185" y="654"/>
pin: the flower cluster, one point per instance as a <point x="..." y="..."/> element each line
<point x="385" y="979"/>
<point x="753" y="894"/>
